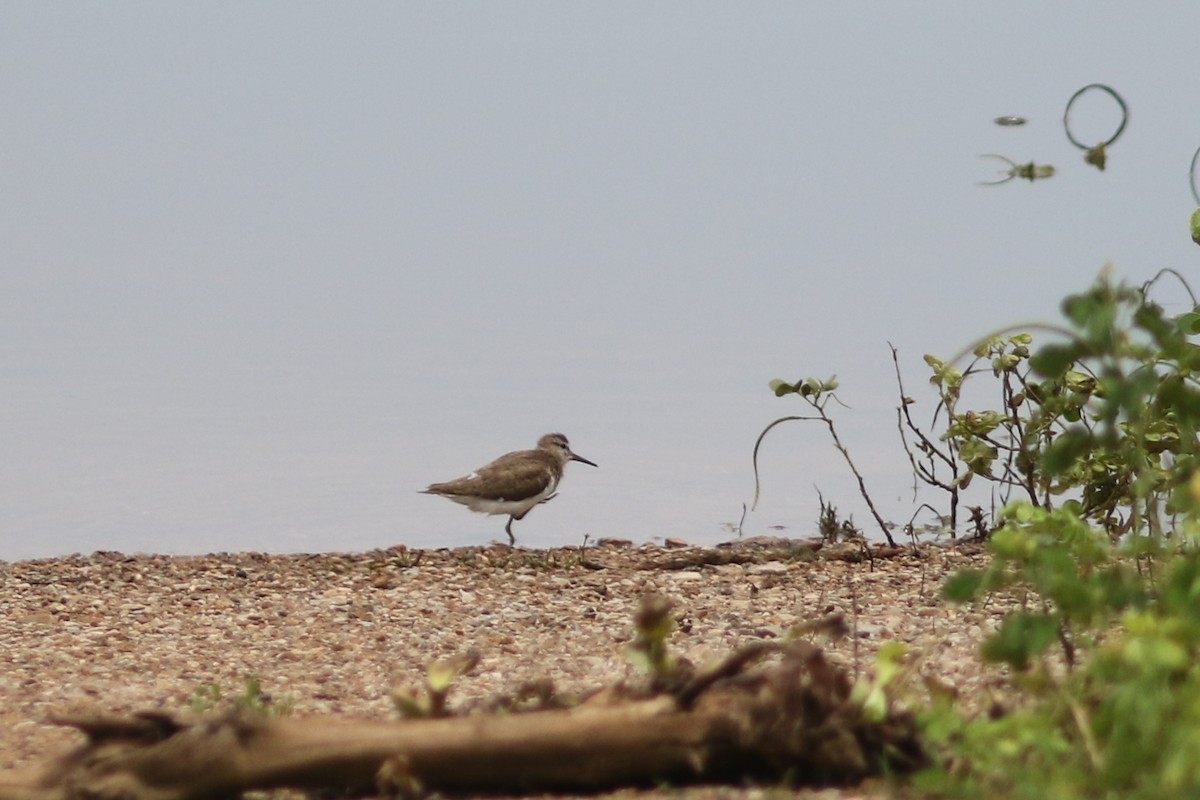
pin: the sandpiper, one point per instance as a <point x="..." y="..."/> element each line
<point x="514" y="483"/>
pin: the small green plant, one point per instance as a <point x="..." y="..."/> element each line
<point x="252" y="698"/>
<point x="880" y="695"/>
<point x="832" y="528"/>
<point x="205" y="697"/>
<point x="403" y="558"/>
<point x="431" y="699"/>
<point x="653" y="624"/>
<point x="817" y="394"/>
<point x="554" y="560"/>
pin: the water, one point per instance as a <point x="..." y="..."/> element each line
<point x="162" y="444"/>
<point x="265" y="275"/>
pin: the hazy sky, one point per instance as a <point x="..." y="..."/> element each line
<point x="269" y="268"/>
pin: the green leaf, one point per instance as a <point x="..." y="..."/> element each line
<point x="1157" y="654"/>
<point x="1189" y="323"/>
<point x="1062" y="453"/>
<point x="1149" y="317"/>
<point x="1021" y="638"/>
<point x="1012" y="544"/>
<point x="963" y="586"/>
<point x="1079" y="381"/>
<point x="811" y="386"/>
<point x="1006" y="362"/>
<point x="780" y="388"/>
<point x="1053" y="360"/>
<point x="1196" y="226"/>
<point x="441" y="675"/>
<point x="1081" y="308"/>
<point x="977" y="454"/>
<point x="640" y="659"/>
<point x="889" y="665"/>
<point x="1181" y="398"/>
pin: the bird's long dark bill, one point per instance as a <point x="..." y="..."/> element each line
<point x="584" y="460"/>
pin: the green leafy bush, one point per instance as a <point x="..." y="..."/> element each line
<point x="1099" y="557"/>
<point x="1105" y="416"/>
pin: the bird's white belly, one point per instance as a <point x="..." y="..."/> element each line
<point x="492" y="506"/>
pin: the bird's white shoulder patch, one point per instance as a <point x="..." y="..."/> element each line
<point x="474" y="476"/>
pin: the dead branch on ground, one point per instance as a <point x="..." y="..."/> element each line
<point x="792" y="718"/>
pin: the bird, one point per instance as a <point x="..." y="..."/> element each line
<point x="514" y="483"/>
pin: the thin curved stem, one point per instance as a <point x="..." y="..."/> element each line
<point x="1120" y="128"/>
<point x="758" y="443"/>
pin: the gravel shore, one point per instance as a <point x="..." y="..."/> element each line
<point x="335" y="633"/>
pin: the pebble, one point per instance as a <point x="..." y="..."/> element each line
<point x="768" y="568"/>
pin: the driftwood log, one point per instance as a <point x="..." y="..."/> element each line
<point x="759" y="549"/>
<point x="792" y="718"/>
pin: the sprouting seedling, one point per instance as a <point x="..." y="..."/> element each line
<point x="440" y="676"/>
<point x="1096" y="155"/>
<point x="877" y="696"/>
<point x="205" y="697"/>
<point x="252" y="698"/>
<point x="1030" y="172"/>
<point x="653" y="625"/>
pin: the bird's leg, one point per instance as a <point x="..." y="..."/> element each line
<point x="548" y="499"/>
<point x="508" y="529"/>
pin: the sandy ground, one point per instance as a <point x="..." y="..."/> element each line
<point x="335" y="633"/>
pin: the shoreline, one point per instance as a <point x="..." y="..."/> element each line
<point x="335" y="633"/>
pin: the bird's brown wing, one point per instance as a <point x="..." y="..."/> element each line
<point x="516" y="476"/>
